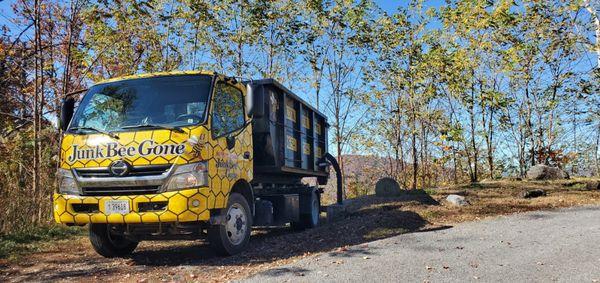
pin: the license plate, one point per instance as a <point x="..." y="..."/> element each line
<point x="116" y="206"/>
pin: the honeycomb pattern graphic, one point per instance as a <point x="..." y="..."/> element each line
<point x="225" y="168"/>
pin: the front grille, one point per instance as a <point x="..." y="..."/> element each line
<point x="85" y="207"/>
<point x="137" y="171"/>
<point x="119" y="191"/>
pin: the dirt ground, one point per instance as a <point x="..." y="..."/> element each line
<point x="369" y="218"/>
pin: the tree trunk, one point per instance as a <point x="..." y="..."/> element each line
<point x="473" y="143"/>
<point x="490" y="144"/>
<point x="596" y="18"/>
<point x="36" y="105"/>
<point x="530" y="125"/>
<point x="596" y="157"/>
<point x="414" y="148"/>
<point x="455" y="177"/>
<point x="402" y="166"/>
<point x="340" y="159"/>
<point x="522" y="141"/>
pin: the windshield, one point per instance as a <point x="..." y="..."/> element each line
<point x="168" y="101"/>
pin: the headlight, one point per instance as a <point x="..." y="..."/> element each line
<point x="66" y="182"/>
<point x="188" y="176"/>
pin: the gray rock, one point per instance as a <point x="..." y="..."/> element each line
<point x="457" y="200"/>
<point x="336" y="212"/>
<point x="592" y="185"/>
<point x="534" y="193"/>
<point x="544" y="172"/>
<point x="387" y="187"/>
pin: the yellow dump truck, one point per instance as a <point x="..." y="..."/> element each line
<point x="188" y="155"/>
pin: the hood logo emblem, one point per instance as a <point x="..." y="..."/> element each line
<point x="119" y="168"/>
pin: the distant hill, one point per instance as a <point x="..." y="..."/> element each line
<point x="361" y="173"/>
<point x="355" y="165"/>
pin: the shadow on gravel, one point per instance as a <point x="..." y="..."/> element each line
<point x="368" y="219"/>
<point x="269" y="245"/>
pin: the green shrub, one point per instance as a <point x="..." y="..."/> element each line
<point x="30" y="240"/>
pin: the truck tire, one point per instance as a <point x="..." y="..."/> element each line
<point x="233" y="235"/>
<point x="108" y="244"/>
<point x="309" y="220"/>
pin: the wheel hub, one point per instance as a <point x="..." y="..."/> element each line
<point x="236" y="224"/>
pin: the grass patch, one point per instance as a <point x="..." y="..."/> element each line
<point x="575" y="186"/>
<point x="430" y="214"/>
<point x="34" y="238"/>
<point x="380" y="233"/>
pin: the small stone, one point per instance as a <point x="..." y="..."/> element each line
<point x="457" y="200"/>
<point x="534" y="193"/>
<point x="592" y="185"/>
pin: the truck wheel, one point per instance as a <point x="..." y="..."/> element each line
<point x="233" y="235"/>
<point x="309" y="220"/>
<point x="108" y="244"/>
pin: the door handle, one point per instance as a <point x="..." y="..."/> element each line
<point x="247" y="155"/>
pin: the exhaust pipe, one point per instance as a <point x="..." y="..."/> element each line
<point x="338" y="174"/>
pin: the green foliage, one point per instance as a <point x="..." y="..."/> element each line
<point x="32" y="238"/>
<point x="22" y="206"/>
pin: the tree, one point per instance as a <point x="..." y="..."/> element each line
<point x="400" y="68"/>
<point x="347" y="23"/>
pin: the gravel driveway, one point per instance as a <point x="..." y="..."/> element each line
<point x="539" y="246"/>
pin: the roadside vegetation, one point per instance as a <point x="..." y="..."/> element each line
<point x="34" y="239"/>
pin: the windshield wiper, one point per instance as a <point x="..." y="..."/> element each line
<point x="77" y="129"/>
<point x="170" y="128"/>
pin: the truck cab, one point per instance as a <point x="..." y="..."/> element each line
<point x="187" y="155"/>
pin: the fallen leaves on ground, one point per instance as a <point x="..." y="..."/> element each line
<point x="369" y="218"/>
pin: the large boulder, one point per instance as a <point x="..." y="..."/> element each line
<point x="545" y="172"/>
<point x="457" y="200"/>
<point x="387" y="187"/>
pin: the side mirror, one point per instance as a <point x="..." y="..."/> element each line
<point x="230" y="142"/>
<point x="66" y="112"/>
<point x="250" y="89"/>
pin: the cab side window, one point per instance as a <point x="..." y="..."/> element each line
<point x="228" y="110"/>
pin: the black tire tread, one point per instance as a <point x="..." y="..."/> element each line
<point x="305" y="221"/>
<point x="100" y="242"/>
<point x="216" y="233"/>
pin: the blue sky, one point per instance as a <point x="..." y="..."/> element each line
<point x="5" y="12"/>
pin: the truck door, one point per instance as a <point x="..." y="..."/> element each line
<point x="232" y="136"/>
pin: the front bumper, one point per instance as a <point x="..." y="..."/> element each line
<point x="182" y="206"/>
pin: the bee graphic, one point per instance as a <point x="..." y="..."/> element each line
<point x="197" y="145"/>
